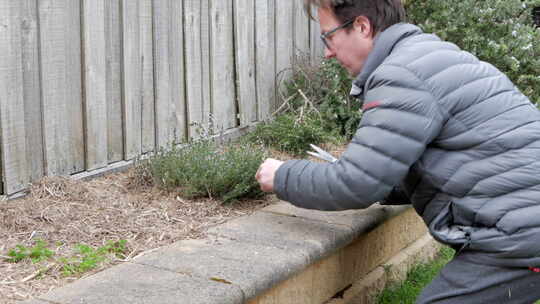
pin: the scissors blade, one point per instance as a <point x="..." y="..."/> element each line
<point x="321" y="154"/>
<point x="315" y="154"/>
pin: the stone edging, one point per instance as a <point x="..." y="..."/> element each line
<point x="280" y="254"/>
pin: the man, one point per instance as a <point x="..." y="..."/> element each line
<point x="442" y="130"/>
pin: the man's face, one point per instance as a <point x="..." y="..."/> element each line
<point x="351" y="45"/>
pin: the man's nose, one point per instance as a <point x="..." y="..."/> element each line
<point x="329" y="53"/>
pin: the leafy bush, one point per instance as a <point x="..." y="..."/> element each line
<point x="500" y="32"/>
<point x="292" y="133"/>
<point x="205" y="169"/>
<point x="325" y="87"/>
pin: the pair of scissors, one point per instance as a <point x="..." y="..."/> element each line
<point x="320" y="153"/>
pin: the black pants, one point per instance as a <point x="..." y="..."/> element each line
<point x="463" y="281"/>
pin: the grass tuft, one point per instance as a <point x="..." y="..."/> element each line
<point x="420" y="276"/>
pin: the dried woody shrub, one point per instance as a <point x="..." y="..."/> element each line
<point x="316" y="108"/>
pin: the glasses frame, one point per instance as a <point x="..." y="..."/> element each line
<point x="326" y="34"/>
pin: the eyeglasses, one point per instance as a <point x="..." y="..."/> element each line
<point x="326" y="34"/>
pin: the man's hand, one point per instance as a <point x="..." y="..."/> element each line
<point x="265" y="174"/>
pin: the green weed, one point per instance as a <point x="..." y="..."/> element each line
<point x="85" y="258"/>
<point x="88" y="258"/>
<point x="36" y="253"/>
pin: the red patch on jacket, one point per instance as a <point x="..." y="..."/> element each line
<point x="371" y="105"/>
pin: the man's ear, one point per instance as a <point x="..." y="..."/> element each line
<point x="363" y="25"/>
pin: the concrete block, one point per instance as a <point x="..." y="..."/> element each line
<point x="360" y="221"/>
<point x="254" y="268"/>
<point x="372" y="249"/>
<point x="297" y="290"/>
<point x="137" y="284"/>
<point x="34" y="301"/>
<point x="329" y="277"/>
<point x="421" y="251"/>
<point x="316" y="284"/>
<point x="367" y="287"/>
<point x="295" y="235"/>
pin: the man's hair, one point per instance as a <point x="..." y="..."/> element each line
<point x="380" y="13"/>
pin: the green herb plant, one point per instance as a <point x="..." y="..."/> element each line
<point x="206" y="169"/>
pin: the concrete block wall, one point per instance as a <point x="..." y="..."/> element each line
<point x="358" y="264"/>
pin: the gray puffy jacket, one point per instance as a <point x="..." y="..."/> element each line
<point x="453" y="133"/>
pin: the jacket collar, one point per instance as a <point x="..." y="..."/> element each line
<point x="383" y="45"/>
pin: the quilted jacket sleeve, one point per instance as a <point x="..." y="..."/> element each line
<point x="401" y="117"/>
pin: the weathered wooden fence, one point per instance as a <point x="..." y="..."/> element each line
<point x="85" y="84"/>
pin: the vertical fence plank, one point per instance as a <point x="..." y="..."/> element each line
<point x="113" y="78"/>
<point x="74" y="84"/>
<point x="132" y="66"/>
<point x="301" y="31"/>
<point x="13" y="146"/>
<point x="168" y="40"/>
<point x="193" y="72"/>
<point x="245" y="60"/>
<point x="206" y="63"/>
<point x="161" y="13"/>
<point x="316" y="45"/>
<point x="31" y="92"/>
<point x="284" y="41"/>
<point x="95" y="106"/>
<point x="147" y="58"/>
<point x="266" y="57"/>
<point x="61" y="86"/>
<point x="176" y="52"/>
<point x="223" y="74"/>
